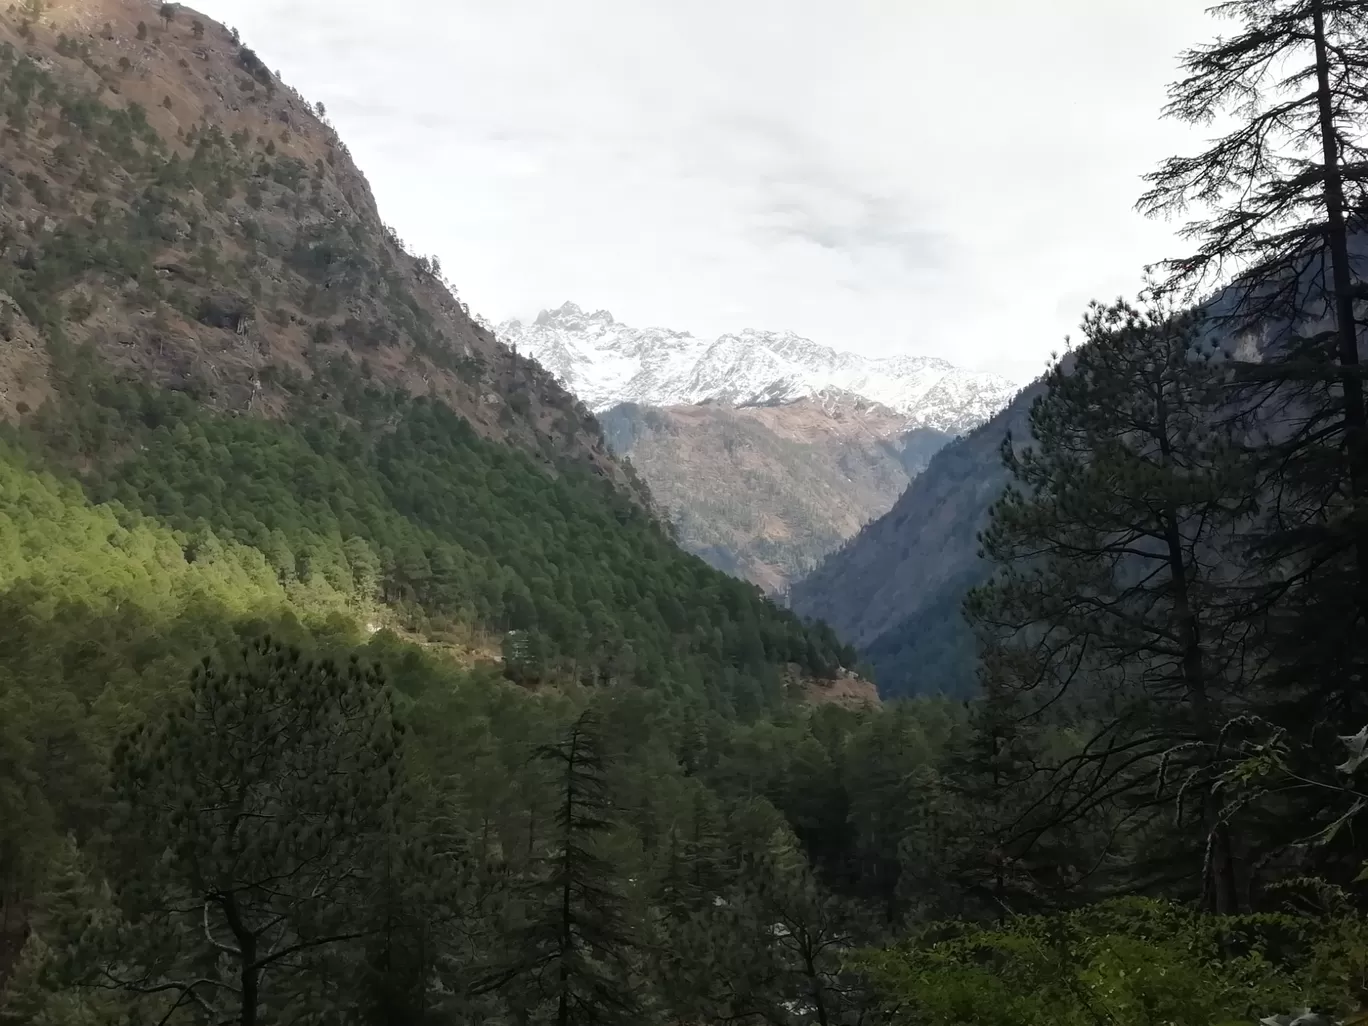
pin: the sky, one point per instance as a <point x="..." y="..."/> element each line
<point x="883" y="176"/>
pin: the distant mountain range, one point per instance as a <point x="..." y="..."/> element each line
<point x="767" y="449"/>
<point x="605" y="362"/>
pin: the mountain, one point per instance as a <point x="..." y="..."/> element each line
<point x="279" y="520"/>
<point x="208" y="332"/>
<point x="605" y="362"/>
<point x="767" y="449"/>
<point x="894" y="590"/>
<point x="196" y="222"/>
<point x="763" y="492"/>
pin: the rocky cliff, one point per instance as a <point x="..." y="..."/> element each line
<point x="168" y="202"/>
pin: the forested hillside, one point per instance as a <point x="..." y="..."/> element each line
<point x="335" y="691"/>
<point x="169" y="201"/>
<point x="332" y="413"/>
<point x="235" y="405"/>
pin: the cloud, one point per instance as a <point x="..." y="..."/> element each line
<point x="800" y="195"/>
<point x="879" y="175"/>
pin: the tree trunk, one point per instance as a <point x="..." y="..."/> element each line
<point x="567" y="938"/>
<point x="249" y="973"/>
<point x="1355" y="419"/>
<point x="815" y="985"/>
<point x="1219" y="876"/>
<point x="1223" y="887"/>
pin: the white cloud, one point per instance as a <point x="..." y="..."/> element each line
<point x="881" y="175"/>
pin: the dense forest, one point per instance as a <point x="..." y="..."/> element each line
<point x="353" y="713"/>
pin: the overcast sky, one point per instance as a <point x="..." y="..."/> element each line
<point x="949" y="179"/>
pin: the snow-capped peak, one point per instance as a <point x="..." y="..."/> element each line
<point x="605" y="362"/>
<point x="569" y="317"/>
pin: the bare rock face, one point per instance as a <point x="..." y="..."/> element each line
<point x="167" y="201"/>
<point x="848" y="690"/>
<point x="764" y="492"/>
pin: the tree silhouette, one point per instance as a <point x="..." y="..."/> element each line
<point x="1111" y="604"/>
<point x="573" y="948"/>
<point x="1284" y="192"/>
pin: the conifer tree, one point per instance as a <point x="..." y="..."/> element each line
<point x="257" y="817"/>
<point x="1283" y="201"/>
<point x="693" y="873"/>
<point x="985" y="839"/>
<point x="571" y="953"/>
<point x="1110" y="608"/>
<point x="769" y="949"/>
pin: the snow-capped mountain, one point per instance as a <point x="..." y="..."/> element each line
<point x="604" y="363"/>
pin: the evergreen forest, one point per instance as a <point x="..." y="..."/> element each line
<point x="356" y="708"/>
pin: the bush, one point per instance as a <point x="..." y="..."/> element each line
<point x="1130" y="962"/>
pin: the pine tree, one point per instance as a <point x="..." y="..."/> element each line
<point x="258" y="815"/>
<point x="1287" y="191"/>
<point x="693" y="872"/>
<point x="804" y="932"/>
<point x="572" y="951"/>
<point x="1110" y="608"/>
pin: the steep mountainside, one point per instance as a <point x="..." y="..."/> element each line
<point x="166" y="199"/>
<point x="763" y="492"/>
<point x="605" y="363"/>
<point x="894" y="591"/>
<point x="218" y="359"/>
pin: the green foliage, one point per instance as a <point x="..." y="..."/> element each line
<point x="626" y="819"/>
<point x="104" y="616"/>
<point x="571" y="951"/>
<point x="1112" y="607"/>
<point x="254" y="824"/>
<point x="406" y="498"/>
<point x="1131" y="962"/>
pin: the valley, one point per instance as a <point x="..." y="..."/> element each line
<point x="767" y="450"/>
<point x="363" y="663"/>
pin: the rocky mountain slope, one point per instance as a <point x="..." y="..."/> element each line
<point x="605" y="363"/>
<point x="763" y="492"/>
<point x="895" y="589"/>
<point x="214" y="351"/>
<point x="167" y="200"/>
<point x="767" y="449"/>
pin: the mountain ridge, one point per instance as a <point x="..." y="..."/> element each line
<point x="895" y="590"/>
<point x="767" y="449"/>
<point x="248" y="249"/>
<point x="606" y="362"/>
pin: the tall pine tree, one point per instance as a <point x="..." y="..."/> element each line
<point x="572" y="950"/>
<point x="1282" y="200"/>
<point x="1109" y="609"/>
